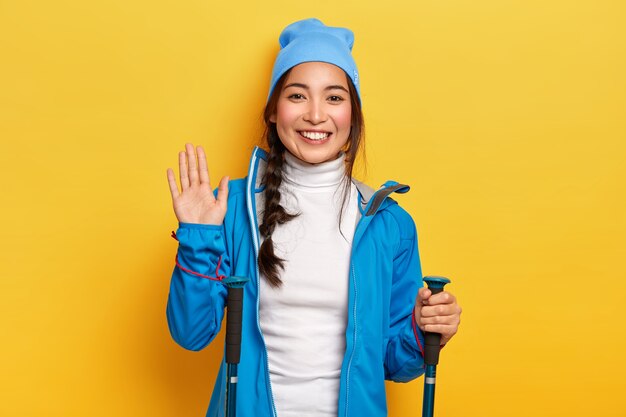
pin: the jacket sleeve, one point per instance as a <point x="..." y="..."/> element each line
<point x="195" y="305"/>
<point x="404" y="360"/>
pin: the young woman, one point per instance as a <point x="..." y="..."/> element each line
<point x="335" y="305"/>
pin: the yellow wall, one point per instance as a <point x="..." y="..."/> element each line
<point x="507" y="117"/>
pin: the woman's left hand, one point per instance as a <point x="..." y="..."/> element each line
<point x="438" y="313"/>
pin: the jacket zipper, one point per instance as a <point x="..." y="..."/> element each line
<point x="354" y="315"/>
<point x="255" y="234"/>
<point x="267" y="366"/>
<point x="353" y="338"/>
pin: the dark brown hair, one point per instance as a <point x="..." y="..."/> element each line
<point x="273" y="212"/>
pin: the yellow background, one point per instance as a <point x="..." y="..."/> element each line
<point x="506" y="117"/>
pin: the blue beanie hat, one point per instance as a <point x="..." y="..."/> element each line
<point x="310" y="40"/>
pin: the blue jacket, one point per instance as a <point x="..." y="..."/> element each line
<point x="382" y="341"/>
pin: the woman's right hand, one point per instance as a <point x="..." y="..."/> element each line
<point x="196" y="202"/>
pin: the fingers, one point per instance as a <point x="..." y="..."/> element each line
<point x="203" y="167"/>
<point x="442" y="304"/>
<point x="422" y="296"/>
<point x="171" y="180"/>
<point x="443" y="329"/>
<point x="193" y="164"/>
<point x="437" y="313"/>
<point x="446" y="331"/>
<point x="428" y="298"/>
<point x="193" y="170"/>
<point x="444" y="324"/>
<point x="440" y="310"/>
<point x="182" y="170"/>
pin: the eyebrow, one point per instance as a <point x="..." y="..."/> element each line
<point x="330" y="87"/>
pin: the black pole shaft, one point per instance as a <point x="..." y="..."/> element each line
<point x="234" y="304"/>
<point x="233" y="324"/>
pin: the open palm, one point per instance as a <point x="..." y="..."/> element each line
<point x="195" y="203"/>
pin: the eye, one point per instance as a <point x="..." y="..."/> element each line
<point x="336" y="99"/>
<point x="296" y="96"/>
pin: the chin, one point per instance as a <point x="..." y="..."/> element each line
<point x="318" y="159"/>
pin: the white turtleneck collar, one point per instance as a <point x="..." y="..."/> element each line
<point x="324" y="175"/>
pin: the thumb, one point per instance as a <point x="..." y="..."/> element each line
<point x="422" y="296"/>
<point x="222" y="191"/>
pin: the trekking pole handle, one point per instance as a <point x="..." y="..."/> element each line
<point x="233" y="325"/>
<point x="234" y="309"/>
<point x="432" y="340"/>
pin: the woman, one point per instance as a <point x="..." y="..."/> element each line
<point x="333" y="307"/>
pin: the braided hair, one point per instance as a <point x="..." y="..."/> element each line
<point x="273" y="213"/>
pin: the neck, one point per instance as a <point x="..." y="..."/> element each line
<point x="314" y="176"/>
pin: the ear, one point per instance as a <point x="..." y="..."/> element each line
<point x="273" y="117"/>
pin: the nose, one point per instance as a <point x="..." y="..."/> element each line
<point x="315" y="112"/>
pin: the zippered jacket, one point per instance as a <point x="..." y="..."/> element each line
<point x="382" y="339"/>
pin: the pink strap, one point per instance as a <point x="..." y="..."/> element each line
<point x="415" y="333"/>
<point x="217" y="276"/>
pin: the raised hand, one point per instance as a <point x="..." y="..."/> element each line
<point x="196" y="202"/>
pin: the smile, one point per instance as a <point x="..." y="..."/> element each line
<point x="316" y="136"/>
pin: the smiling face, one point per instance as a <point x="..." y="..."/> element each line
<point x="313" y="112"/>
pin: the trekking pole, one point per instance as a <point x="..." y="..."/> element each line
<point x="431" y="352"/>
<point x="234" y="306"/>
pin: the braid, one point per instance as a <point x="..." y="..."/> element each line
<point x="273" y="212"/>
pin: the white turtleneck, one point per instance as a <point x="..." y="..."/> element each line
<point x="304" y="321"/>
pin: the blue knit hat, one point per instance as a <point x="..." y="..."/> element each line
<point x="310" y="40"/>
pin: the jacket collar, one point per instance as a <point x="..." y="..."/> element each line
<point x="371" y="200"/>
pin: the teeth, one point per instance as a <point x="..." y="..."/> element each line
<point x="315" y="135"/>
